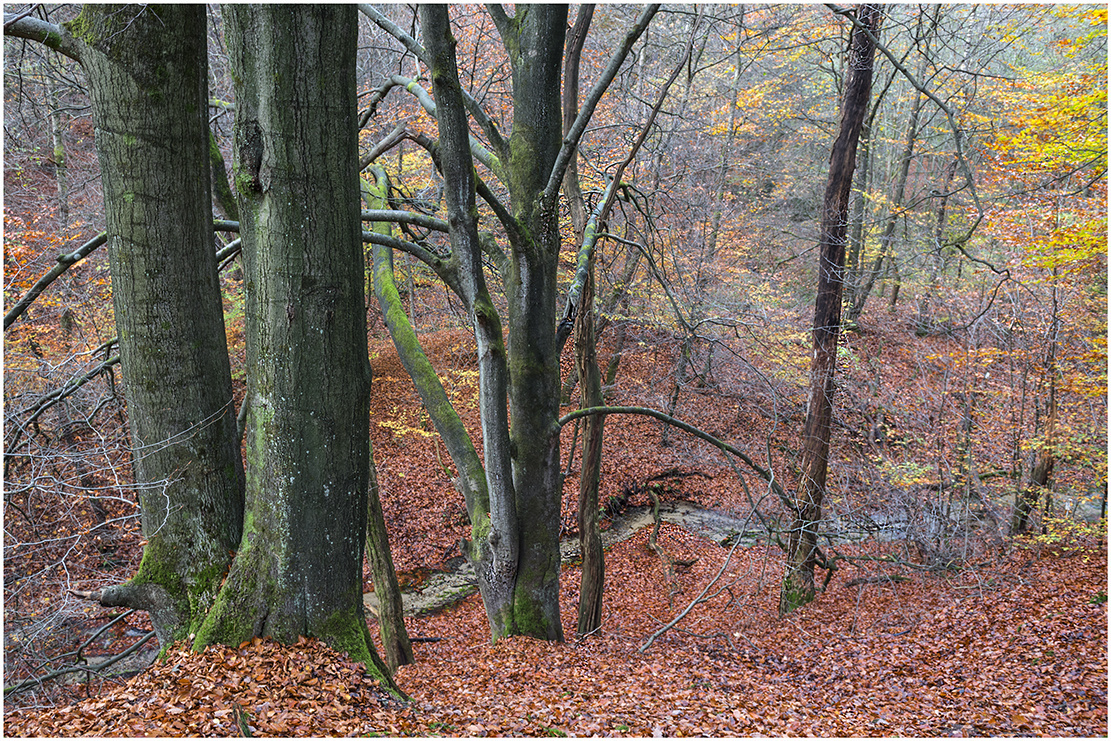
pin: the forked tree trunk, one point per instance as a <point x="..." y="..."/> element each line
<point x="147" y="74"/>
<point x="298" y="571"/>
<point x="802" y="545"/>
<point x="495" y="543"/>
<point x="534" y="39"/>
<point x="514" y="543"/>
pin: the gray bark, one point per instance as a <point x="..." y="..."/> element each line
<point x="147" y="74"/>
<point x="298" y="571"/>
<point x="514" y="538"/>
<point x="494" y="547"/>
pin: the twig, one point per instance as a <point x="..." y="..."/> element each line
<point x="699" y="599"/>
<point x="32" y="681"/>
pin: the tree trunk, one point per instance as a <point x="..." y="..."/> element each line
<point x="924" y="322"/>
<point x="887" y="250"/>
<point x="802" y="546"/>
<point x="514" y="544"/>
<point x="298" y="571"/>
<point x="726" y="158"/>
<point x="57" y="135"/>
<point x="147" y="73"/>
<point x="391" y="617"/>
<point x="590" y="538"/>
<point x="1044" y="459"/>
<point x="586" y="362"/>
<point x="221" y="190"/>
<point x="496" y="535"/>
<point x="859" y="200"/>
<point x="534" y="40"/>
<point x="391" y="614"/>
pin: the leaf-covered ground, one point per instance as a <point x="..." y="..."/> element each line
<point x="1017" y="649"/>
<point x="1014" y="644"/>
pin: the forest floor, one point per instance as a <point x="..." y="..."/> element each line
<point x="1019" y="648"/>
<point x="1012" y="643"/>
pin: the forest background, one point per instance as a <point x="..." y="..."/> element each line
<point x="969" y="443"/>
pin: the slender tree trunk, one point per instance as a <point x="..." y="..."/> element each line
<point x="496" y="537"/>
<point x="221" y="190"/>
<point x="298" y="571"/>
<point x="61" y="168"/>
<point x="586" y="362"/>
<point x="887" y="250"/>
<point x="391" y="615"/>
<point x="1044" y="459"/>
<point x="727" y="146"/>
<point x="590" y="539"/>
<point x="802" y="546"/>
<point x="924" y="322"/>
<point x="859" y="201"/>
<point x="147" y="74"/>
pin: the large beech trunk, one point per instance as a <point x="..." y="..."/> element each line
<point x="298" y="571"/>
<point x="515" y="532"/>
<point x="514" y="509"/>
<point x="802" y="544"/>
<point x="147" y="73"/>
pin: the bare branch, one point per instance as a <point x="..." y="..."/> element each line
<point x="64" y="263"/>
<point x="484" y="121"/>
<point x="689" y="428"/>
<point x="571" y="140"/>
<point x="49" y="34"/>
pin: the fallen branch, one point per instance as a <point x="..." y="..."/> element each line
<point x="98" y="668"/>
<point x="700" y="434"/>
<point x="884" y="579"/>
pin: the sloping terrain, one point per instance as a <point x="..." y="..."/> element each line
<point x="1013" y="643"/>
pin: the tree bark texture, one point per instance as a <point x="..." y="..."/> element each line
<point x="590" y="538"/>
<point x="802" y="545"/>
<point x="586" y="360"/>
<point x="298" y="571"/>
<point x="391" y="614"/>
<point x="534" y="40"/>
<point x="494" y="546"/>
<point x="391" y="617"/>
<point x="515" y="547"/>
<point x="147" y="73"/>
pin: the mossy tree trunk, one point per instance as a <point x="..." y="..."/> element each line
<point x="298" y="571"/>
<point x="534" y="40"/>
<point x="802" y="544"/>
<point x="586" y="360"/>
<point x="391" y="616"/>
<point x="496" y="533"/>
<point x="147" y="73"/>
<point x="514" y="509"/>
